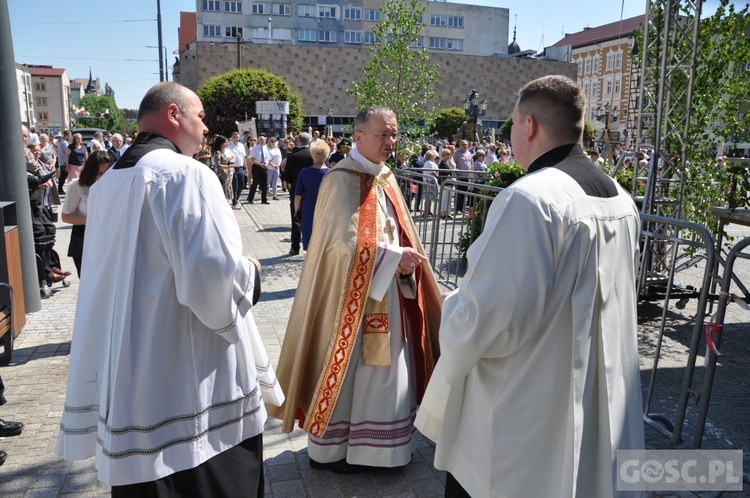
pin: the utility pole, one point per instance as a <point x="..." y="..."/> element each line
<point x="239" y="48"/>
<point x="161" y="45"/>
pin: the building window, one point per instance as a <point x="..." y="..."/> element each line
<point x="370" y="38"/>
<point x="211" y="30"/>
<point x="260" y="8"/>
<point x="454" y="44"/>
<point x="235" y="7"/>
<point x="610" y="61"/>
<point x="41" y="116"/>
<point x="588" y="66"/>
<point x="420" y="21"/>
<point x="455" y="21"/>
<point x="580" y="68"/>
<point x="40" y="87"/>
<point x="618" y="86"/>
<point x="352" y="13"/>
<point x="437" y="20"/>
<point x="212" y="5"/>
<point x="437" y="43"/>
<point x="417" y="43"/>
<point x="608" y="88"/>
<point x="618" y="60"/>
<point x="352" y="37"/>
<point x="41" y="101"/>
<point x="597" y="64"/>
<point x="307" y="35"/>
<point x="282" y="9"/>
<point x="233" y="32"/>
<point x="372" y="15"/>
<point x="327" y="36"/>
<point x="306" y="10"/>
<point x="327" y="12"/>
<point x="595" y="90"/>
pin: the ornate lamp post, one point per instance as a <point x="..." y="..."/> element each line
<point x="474" y="110"/>
<point x="607" y="116"/>
<point x="329" y="123"/>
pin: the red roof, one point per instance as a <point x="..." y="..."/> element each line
<point x="602" y="33"/>
<point x="44" y="70"/>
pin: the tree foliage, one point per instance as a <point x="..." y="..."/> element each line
<point x="446" y="122"/>
<point x="231" y="97"/>
<point x="718" y="109"/>
<point x="505" y="128"/>
<point x="100" y="104"/>
<point x="398" y="75"/>
<point x="108" y="91"/>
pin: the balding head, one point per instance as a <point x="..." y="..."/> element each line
<point x="174" y="112"/>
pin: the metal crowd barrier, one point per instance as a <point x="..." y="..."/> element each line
<point x="441" y="236"/>
<point x="673" y="241"/>
<point x="716" y="328"/>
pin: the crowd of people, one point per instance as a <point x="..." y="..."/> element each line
<point x="540" y="354"/>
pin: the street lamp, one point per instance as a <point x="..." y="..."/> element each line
<point x="474" y="110"/>
<point x="607" y="116"/>
<point x="329" y="123"/>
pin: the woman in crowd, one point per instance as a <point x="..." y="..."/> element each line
<point x="274" y="164"/>
<point x="75" y="208"/>
<point x="48" y="158"/>
<point x="204" y="155"/>
<point x="222" y="162"/>
<point x="446" y="167"/>
<point x="430" y="189"/>
<point x="480" y="168"/>
<point x="75" y="157"/>
<point x="306" y="190"/>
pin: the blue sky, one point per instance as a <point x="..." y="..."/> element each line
<point x="112" y="40"/>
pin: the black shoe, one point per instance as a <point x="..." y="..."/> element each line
<point x="340" y="467"/>
<point x="3" y="456"/>
<point x="293" y="252"/>
<point x="8" y="429"/>
<point x="265" y="202"/>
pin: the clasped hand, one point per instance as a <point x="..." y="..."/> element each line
<point x="410" y="260"/>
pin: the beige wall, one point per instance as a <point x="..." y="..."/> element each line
<point x="321" y="75"/>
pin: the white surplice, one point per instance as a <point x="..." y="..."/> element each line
<point x="166" y="365"/>
<point x="373" y="421"/>
<point x="538" y="385"/>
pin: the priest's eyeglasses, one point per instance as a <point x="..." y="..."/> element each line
<point x="383" y="136"/>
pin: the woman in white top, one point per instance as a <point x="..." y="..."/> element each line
<point x="430" y="188"/>
<point x="75" y="208"/>
<point x="274" y="163"/>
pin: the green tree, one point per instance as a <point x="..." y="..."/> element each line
<point x="108" y="91"/>
<point x="231" y="97"/>
<point x="94" y="104"/>
<point x="398" y="75"/>
<point x="447" y="121"/>
<point x="505" y="128"/>
<point x="720" y="90"/>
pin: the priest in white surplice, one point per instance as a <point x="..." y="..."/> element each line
<point x="360" y="344"/>
<point x="538" y="384"/>
<point x="167" y="369"/>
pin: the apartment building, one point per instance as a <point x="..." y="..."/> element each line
<point x="51" y="92"/>
<point x="25" y="95"/>
<point x="448" y="27"/>
<point x="603" y="57"/>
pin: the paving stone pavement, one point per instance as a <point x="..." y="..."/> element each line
<point x="35" y="387"/>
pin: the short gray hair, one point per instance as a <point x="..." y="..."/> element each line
<point x="365" y="114"/>
<point x="161" y="95"/>
<point x="304" y="138"/>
